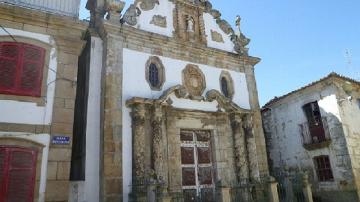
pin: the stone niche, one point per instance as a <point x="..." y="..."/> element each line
<point x="189" y="23"/>
<point x="158" y="163"/>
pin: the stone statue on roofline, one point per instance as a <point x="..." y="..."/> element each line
<point x="240" y="41"/>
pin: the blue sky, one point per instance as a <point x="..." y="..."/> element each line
<point x="299" y="41"/>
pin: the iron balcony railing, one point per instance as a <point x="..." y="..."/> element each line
<point x="61" y="7"/>
<point x="315" y="134"/>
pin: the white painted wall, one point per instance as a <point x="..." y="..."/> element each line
<point x="12" y="111"/>
<point x="42" y="139"/>
<point x="210" y="24"/>
<point x="165" y="8"/>
<point x="92" y="163"/>
<point x="286" y="148"/>
<point x="135" y="85"/>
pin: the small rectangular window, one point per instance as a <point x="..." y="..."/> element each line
<point x="323" y="168"/>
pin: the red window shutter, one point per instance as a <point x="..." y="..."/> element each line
<point x="31" y="74"/>
<point x="3" y="166"/>
<point x="21" y="69"/>
<point x="9" y="56"/>
<point x="18" y="176"/>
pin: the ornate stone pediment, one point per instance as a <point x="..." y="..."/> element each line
<point x="181" y="92"/>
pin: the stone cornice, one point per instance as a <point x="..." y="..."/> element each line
<point x="132" y="36"/>
<point x="42" y="19"/>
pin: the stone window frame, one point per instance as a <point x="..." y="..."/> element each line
<point x="41" y="100"/>
<point x="230" y="84"/>
<point x="161" y="71"/>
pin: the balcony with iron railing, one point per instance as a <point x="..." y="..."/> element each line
<point x="60" y="7"/>
<point x="315" y="136"/>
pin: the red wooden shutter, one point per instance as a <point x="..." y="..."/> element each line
<point x="31" y="74"/>
<point x="21" y="68"/>
<point x="9" y="57"/>
<point x="3" y="166"/>
<point x="18" y="178"/>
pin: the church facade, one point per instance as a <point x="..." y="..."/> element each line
<point x="172" y="100"/>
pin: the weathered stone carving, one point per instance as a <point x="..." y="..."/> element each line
<point x="225" y="26"/>
<point x="138" y="128"/>
<point x="114" y="8"/>
<point x="251" y="147"/>
<point x="194" y="80"/>
<point x="215" y="13"/>
<point x="131" y="14"/>
<point x="159" y="21"/>
<point x="240" y="153"/>
<point x="146" y="5"/>
<point x="239" y="40"/>
<point x="158" y="159"/>
<point x="216" y="36"/>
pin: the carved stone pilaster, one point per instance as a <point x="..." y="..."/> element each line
<point x="138" y="128"/>
<point x="157" y="154"/>
<point x="241" y="161"/>
<point x="251" y="147"/>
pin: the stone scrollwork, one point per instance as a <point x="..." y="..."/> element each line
<point x="194" y="80"/>
<point x="131" y="14"/>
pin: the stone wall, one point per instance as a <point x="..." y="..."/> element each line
<point x="348" y="99"/>
<point x="66" y="34"/>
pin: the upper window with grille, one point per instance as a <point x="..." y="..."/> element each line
<point x="21" y="69"/>
<point x="323" y="168"/>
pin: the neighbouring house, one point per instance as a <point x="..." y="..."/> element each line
<point x="316" y="129"/>
<point x="40" y="42"/>
<point x="170" y="104"/>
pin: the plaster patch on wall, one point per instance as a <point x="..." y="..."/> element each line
<point x="159" y="21"/>
<point x="216" y="36"/>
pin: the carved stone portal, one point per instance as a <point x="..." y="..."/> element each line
<point x="194" y="80"/>
<point x="157" y="154"/>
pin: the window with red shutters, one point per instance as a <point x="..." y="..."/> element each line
<point x="21" y="69"/>
<point x="17" y="174"/>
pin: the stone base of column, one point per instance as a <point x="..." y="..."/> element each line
<point x="226" y="194"/>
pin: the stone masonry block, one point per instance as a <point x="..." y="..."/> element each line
<point x="63" y="171"/>
<point x="59" y="154"/>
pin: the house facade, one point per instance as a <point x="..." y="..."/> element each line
<point x="315" y="130"/>
<point x="39" y="48"/>
<point x="172" y="100"/>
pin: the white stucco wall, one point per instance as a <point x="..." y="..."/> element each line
<point x="12" y="111"/>
<point x="92" y="163"/>
<point x="287" y="151"/>
<point x="165" y="8"/>
<point x="210" y="24"/>
<point x="135" y="85"/>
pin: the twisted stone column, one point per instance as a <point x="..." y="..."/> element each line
<point x="251" y="147"/>
<point x="240" y="153"/>
<point x="157" y="141"/>
<point x="138" y="128"/>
